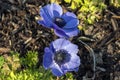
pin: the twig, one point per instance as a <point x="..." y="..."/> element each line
<point x="116" y="17"/>
<point x="4" y="50"/>
<point x="57" y="78"/>
<point x="93" y="55"/>
<point x="114" y="24"/>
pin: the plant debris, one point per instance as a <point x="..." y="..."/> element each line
<point x="20" y="32"/>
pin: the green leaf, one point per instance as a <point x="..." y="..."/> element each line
<point x="12" y="75"/>
<point x="55" y="1"/>
<point x="67" y="1"/>
<point x="30" y="60"/>
<point x="1" y="61"/>
<point x="90" y="21"/>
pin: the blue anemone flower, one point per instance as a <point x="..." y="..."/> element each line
<point x="64" y="25"/>
<point x="61" y="57"/>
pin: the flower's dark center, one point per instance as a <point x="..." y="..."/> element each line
<point x="60" y="22"/>
<point x="61" y="56"/>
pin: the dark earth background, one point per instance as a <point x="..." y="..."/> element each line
<point x="20" y="32"/>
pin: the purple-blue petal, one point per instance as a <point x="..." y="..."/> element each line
<point x="48" y="11"/>
<point x="73" y="33"/>
<point x="47" y="58"/>
<point x="67" y="70"/>
<point x="46" y="16"/>
<point x="76" y="69"/>
<point x="60" y="43"/>
<point x="70" y="65"/>
<point x="73" y="64"/>
<point x="56" y="9"/>
<point x="72" y="49"/>
<point x="60" y="33"/>
<point x="71" y="24"/>
<point x="56" y="70"/>
<point x="52" y="47"/>
<point x="69" y="16"/>
<point x="46" y="21"/>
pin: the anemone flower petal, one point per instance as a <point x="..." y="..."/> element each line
<point x="47" y="58"/>
<point x="71" y="24"/>
<point x="76" y="69"/>
<point x="73" y="64"/>
<point x="70" y="30"/>
<point x="45" y="14"/>
<point x="68" y="69"/>
<point x="71" y="61"/>
<point x="69" y="16"/>
<point x="48" y="11"/>
<point x="71" y="48"/>
<point x="73" y="33"/>
<point x="60" y="43"/>
<point x="56" y="9"/>
<point x="52" y="47"/>
<point x="56" y="70"/>
<point x="61" y="33"/>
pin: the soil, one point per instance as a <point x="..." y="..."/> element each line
<point x="20" y="32"/>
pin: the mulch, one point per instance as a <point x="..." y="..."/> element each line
<point x="20" y="32"/>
